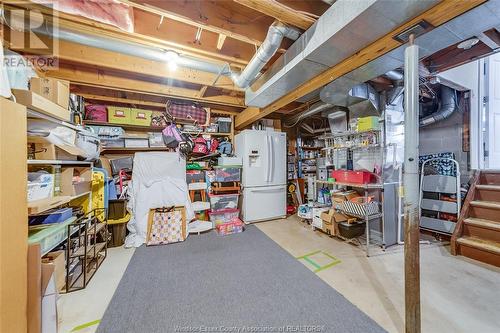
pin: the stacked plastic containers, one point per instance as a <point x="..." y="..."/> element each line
<point x="224" y="211"/>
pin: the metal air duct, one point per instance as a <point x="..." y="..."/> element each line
<point x="447" y="106"/>
<point x="344" y="29"/>
<point x="314" y="109"/>
<point x="360" y="98"/>
<point x="124" y="47"/>
<point x="275" y="34"/>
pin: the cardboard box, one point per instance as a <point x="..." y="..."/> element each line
<point x="41" y="104"/>
<point x="344" y="196"/>
<point x="34" y="310"/>
<point x="53" y="89"/>
<point x="58" y="259"/>
<point x="49" y="151"/>
<point x="330" y="221"/>
<point x="48" y="299"/>
<point x="75" y="181"/>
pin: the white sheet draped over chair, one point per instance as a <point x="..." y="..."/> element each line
<point x="158" y="180"/>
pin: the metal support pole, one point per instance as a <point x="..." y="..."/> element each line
<point x="411" y="191"/>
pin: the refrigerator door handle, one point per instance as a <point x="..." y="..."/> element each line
<point x="271" y="174"/>
<point x="268" y="191"/>
<point x="269" y="157"/>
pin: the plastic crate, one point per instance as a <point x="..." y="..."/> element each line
<point x="223" y="216"/>
<point x="227" y="173"/>
<point x="223" y="201"/>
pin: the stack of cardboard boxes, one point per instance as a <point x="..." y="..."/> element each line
<point x="45" y="278"/>
<point x="333" y="217"/>
<point x="46" y="95"/>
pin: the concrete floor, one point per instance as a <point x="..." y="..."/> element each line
<point x="458" y="295"/>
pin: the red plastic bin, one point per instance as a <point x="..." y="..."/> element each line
<point x="349" y="176"/>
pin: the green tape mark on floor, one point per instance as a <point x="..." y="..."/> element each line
<point x="318" y="267"/>
<point x="308" y="255"/>
<point x="312" y="262"/>
<point x="327" y="266"/>
<point x="81" y="327"/>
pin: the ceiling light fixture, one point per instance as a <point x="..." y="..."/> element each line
<point x="171" y="58"/>
<point x="467" y="44"/>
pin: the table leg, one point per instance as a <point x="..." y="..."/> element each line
<point x="367" y="227"/>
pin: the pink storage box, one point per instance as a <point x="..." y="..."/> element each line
<point x="233" y="227"/>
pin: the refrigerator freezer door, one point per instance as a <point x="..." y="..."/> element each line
<point x="263" y="203"/>
<point x="254" y="148"/>
<point x="278" y="159"/>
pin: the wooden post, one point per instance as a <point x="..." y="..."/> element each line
<point x="411" y="191"/>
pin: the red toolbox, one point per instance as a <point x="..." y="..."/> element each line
<point x="357" y="177"/>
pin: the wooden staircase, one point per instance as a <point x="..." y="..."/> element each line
<point x="477" y="233"/>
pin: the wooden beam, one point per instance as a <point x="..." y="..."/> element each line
<point x="121" y="100"/>
<point x="220" y="41"/>
<point x="202" y="91"/>
<point x="92" y="27"/>
<point x="437" y="15"/>
<point x="280" y="12"/>
<point x="198" y="23"/>
<point x="106" y="59"/>
<point x="100" y="78"/>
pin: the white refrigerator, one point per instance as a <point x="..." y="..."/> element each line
<point x="264" y="174"/>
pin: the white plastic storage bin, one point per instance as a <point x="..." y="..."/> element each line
<point x="223" y="201"/>
<point x="227" y="173"/>
<point x="40" y="186"/>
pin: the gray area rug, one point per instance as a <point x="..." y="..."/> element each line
<point x="237" y="283"/>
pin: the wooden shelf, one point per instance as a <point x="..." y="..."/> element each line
<point x="119" y="150"/>
<point x="90" y="250"/>
<point x="38" y="207"/>
<point x="129" y="127"/>
<point x="311" y="148"/>
<point x="58" y="162"/>
<point x="207" y="133"/>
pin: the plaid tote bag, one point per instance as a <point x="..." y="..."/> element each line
<point x="166" y="225"/>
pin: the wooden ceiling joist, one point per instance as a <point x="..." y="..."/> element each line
<point x="100" y="78"/>
<point x="220" y="41"/>
<point x="195" y="23"/>
<point x="436" y="16"/>
<point x="121" y="100"/>
<point x="87" y="26"/>
<point x="78" y="53"/>
<point x="280" y="12"/>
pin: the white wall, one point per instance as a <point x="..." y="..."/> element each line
<point x="468" y="76"/>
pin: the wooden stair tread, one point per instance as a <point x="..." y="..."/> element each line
<point x="485" y="204"/>
<point x="483" y="223"/>
<point x="488" y="187"/>
<point x="478" y="243"/>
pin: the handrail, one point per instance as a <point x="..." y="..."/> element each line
<point x="457" y="233"/>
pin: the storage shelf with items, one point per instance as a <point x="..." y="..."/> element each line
<point x="86" y="248"/>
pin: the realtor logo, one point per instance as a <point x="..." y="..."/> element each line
<point x="29" y="31"/>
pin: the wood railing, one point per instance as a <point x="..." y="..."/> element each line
<point x="464" y="213"/>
